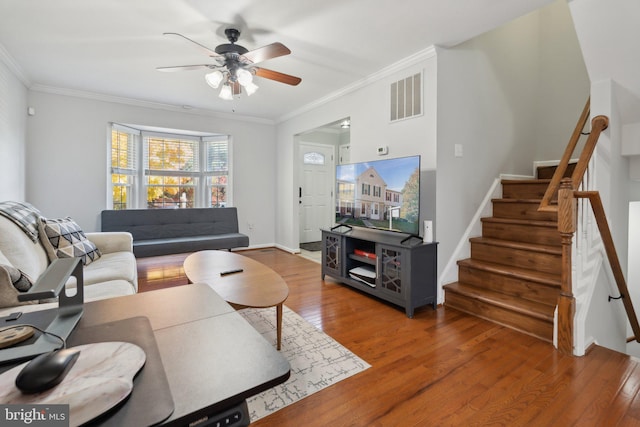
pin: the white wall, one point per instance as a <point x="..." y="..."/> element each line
<point x="13" y="126"/>
<point x="67" y="158"/>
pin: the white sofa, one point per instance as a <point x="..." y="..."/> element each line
<point x="113" y="274"/>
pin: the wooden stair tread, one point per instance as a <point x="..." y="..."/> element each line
<point x="533" y="309"/>
<point x="530" y="201"/>
<point x="510" y="271"/>
<point x="549" y="249"/>
<point x="509" y="201"/>
<point x="525" y="181"/>
<point x="532" y="222"/>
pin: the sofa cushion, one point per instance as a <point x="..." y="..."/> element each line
<point x="113" y="266"/>
<point x="156" y="247"/>
<point x="148" y="224"/>
<point x="63" y="238"/>
<point x="110" y="289"/>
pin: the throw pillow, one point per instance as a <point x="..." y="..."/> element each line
<point x="63" y="238"/>
<point x="20" y="280"/>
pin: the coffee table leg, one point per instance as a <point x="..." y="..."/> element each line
<point x="279" y="324"/>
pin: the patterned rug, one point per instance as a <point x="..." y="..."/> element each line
<point x="316" y="360"/>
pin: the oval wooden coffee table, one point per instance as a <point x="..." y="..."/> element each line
<point x="255" y="286"/>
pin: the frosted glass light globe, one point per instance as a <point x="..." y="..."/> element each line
<point x="226" y="93"/>
<point x="244" y="77"/>
<point x="213" y="79"/>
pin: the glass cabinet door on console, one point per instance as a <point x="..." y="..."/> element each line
<point x="331" y="263"/>
<point x="390" y="270"/>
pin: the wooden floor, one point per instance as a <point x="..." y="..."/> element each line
<point x="441" y="368"/>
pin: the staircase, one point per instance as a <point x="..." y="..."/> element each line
<point x="513" y="275"/>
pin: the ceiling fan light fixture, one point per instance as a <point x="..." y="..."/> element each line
<point x="226" y="93"/>
<point x="250" y="88"/>
<point x="345" y="124"/>
<point x="235" y="65"/>
<point x="244" y="77"/>
<point x="213" y="79"/>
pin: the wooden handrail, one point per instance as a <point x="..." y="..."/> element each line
<point x="612" y="255"/>
<point x="568" y="194"/>
<point x="598" y="124"/>
<point x="554" y="185"/>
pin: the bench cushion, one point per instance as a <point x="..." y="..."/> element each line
<point x="155" y="247"/>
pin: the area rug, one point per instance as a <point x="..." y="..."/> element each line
<point x="317" y="360"/>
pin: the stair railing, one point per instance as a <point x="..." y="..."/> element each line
<point x="568" y="194"/>
<point x="554" y="185"/>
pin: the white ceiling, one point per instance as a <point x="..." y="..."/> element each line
<point x="112" y="47"/>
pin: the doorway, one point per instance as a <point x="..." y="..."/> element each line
<point x="318" y="151"/>
<point x="315" y="193"/>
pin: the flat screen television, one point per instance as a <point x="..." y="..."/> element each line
<point x="382" y="194"/>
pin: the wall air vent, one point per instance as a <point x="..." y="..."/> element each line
<point x="406" y="98"/>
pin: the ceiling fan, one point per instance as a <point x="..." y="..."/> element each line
<point x="235" y="66"/>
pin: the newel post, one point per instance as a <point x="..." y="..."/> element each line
<point x="566" y="301"/>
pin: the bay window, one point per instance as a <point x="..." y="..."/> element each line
<point x="167" y="170"/>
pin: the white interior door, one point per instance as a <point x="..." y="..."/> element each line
<point x="315" y="191"/>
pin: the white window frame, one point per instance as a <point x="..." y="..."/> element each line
<point x="138" y="187"/>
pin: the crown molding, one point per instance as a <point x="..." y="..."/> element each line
<point x="7" y="59"/>
<point x="146" y="104"/>
<point x="409" y="61"/>
<point x="372" y="78"/>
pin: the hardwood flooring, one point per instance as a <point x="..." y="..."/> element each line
<point x="441" y="368"/>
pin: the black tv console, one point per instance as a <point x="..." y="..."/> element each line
<point x="387" y="265"/>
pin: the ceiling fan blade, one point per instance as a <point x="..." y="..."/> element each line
<point x="277" y="76"/>
<point x="210" y="52"/>
<point x="269" y="51"/>
<point x="184" y="68"/>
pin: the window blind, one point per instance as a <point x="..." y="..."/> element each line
<point x="123" y="150"/>
<point x="217" y="156"/>
<point x="170" y="156"/>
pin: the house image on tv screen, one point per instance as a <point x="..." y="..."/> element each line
<point x="368" y="197"/>
<point x="379" y="194"/>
